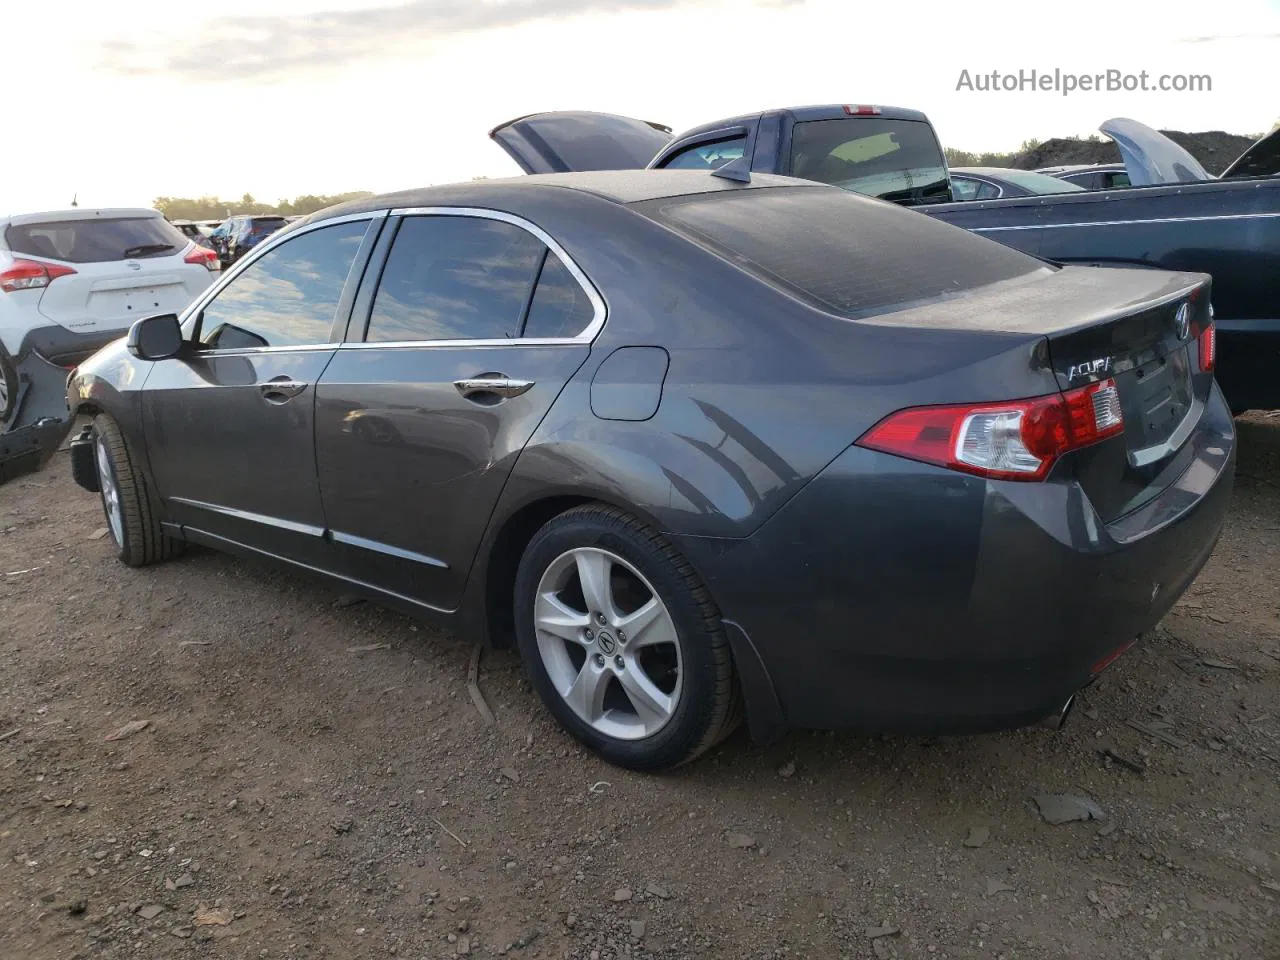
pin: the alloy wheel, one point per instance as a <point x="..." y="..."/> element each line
<point x="110" y="492"/>
<point x="608" y="643"/>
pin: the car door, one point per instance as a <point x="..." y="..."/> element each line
<point x="455" y="355"/>
<point x="230" y="424"/>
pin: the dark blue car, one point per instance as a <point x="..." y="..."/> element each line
<point x="240" y="234"/>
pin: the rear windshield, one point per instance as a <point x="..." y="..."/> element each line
<point x="99" y="240"/>
<point x="844" y="254"/>
<point x="898" y="160"/>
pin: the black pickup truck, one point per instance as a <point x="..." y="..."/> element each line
<point x="1176" y="217"/>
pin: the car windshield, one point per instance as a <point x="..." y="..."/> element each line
<point x="1039" y="183"/>
<point x="842" y="253"/>
<point x="898" y="160"/>
<point x="99" y="240"/>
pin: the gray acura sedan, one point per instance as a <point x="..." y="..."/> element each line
<point x="701" y="448"/>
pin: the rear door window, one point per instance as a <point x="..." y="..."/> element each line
<point x="707" y="156"/>
<point x="100" y="240"/>
<point x="287" y="297"/>
<point x="455" y="278"/>
<point x="840" y="252"/>
<point x="898" y="160"/>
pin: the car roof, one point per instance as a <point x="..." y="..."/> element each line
<point x="618" y="186"/>
<point x="81" y="213"/>
<point x="826" y="111"/>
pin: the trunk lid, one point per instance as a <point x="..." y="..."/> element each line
<point x="109" y="296"/>
<point x="578" y="140"/>
<point x="1151" y="349"/>
<point x="1260" y="160"/>
<point x="1150" y="156"/>
<point x="1106" y="323"/>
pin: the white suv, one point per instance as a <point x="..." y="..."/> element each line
<point x="71" y="281"/>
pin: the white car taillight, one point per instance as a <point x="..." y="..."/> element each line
<point x="31" y="274"/>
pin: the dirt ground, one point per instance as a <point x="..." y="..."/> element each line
<point x="314" y="781"/>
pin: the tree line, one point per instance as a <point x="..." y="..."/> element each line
<point x="215" y="208"/>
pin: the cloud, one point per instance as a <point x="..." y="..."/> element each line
<point x="249" y="48"/>
<point x="1215" y="37"/>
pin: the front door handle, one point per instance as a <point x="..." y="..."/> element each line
<point x="281" y="389"/>
<point x="492" y="383"/>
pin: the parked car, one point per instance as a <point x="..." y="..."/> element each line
<point x="992" y="183"/>
<point x="71" y="281"/>
<point x="238" y="235"/>
<point x="690" y="443"/>
<point x="1090" y="176"/>
<point x="194" y="231"/>
<point x="1184" y="219"/>
<point x="884" y="152"/>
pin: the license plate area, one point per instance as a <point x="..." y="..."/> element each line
<point x="1157" y="398"/>
<point x="136" y="301"/>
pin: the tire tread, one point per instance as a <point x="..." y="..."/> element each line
<point x="145" y="540"/>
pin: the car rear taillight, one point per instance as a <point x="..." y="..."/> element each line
<point x="1208" y="347"/>
<point x="861" y="110"/>
<point x="1018" y="440"/>
<point x="31" y="274"/>
<point x="203" y="256"/>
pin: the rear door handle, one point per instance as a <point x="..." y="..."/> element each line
<point x="492" y="384"/>
<point x="281" y="389"/>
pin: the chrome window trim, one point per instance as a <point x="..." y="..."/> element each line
<point x="1125" y="223"/>
<point x="283" y="235"/>
<point x="586" y="336"/>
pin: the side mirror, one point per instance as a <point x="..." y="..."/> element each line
<point x="155" y="338"/>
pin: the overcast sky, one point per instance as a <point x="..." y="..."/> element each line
<point x="125" y="102"/>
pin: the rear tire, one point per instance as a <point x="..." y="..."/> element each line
<point x="648" y="701"/>
<point x="127" y="503"/>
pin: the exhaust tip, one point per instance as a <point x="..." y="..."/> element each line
<point x="1056" y="720"/>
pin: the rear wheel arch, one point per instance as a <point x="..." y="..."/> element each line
<point x="503" y="559"/>
<point x="703" y="701"/>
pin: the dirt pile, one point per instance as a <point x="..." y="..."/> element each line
<point x="1214" y="149"/>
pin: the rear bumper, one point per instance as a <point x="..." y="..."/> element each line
<point x="896" y="596"/>
<point x="27" y="449"/>
<point x="41" y="419"/>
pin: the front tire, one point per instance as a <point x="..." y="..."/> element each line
<point x="622" y="641"/>
<point x="126" y="501"/>
<point x="9" y="385"/>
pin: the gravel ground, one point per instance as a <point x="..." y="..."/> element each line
<point x="314" y="781"/>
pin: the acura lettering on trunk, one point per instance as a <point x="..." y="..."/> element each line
<point x="701" y="447"/>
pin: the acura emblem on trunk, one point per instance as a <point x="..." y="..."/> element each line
<point x="1090" y="368"/>
<point x="1182" y="322"/>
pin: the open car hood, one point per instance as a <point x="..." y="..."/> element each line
<point x="1260" y="160"/>
<point x="1150" y="156"/>
<point x="577" y="140"/>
